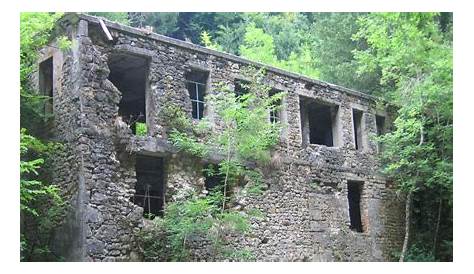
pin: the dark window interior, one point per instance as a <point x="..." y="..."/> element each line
<point x="129" y="74"/>
<point x="380" y="122"/>
<point x="149" y="189"/>
<point x="241" y="87"/>
<point x="354" y="190"/>
<point x="196" y="85"/>
<point x="46" y="82"/>
<point x="275" y="113"/>
<point x="357" y="122"/>
<point x="213" y="179"/>
<point x="46" y="77"/>
<point x="320" y="124"/>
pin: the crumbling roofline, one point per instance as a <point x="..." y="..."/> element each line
<point x="73" y="17"/>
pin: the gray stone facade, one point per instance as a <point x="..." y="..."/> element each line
<point x="305" y="204"/>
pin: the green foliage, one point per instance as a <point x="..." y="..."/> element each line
<point x="41" y="205"/>
<point x="188" y="221"/>
<point x="417" y="62"/>
<point x="301" y="62"/>
<point x="42" y="208"/>
<point x="246" y="131"/>
<point x="229" y="38"/>
<point x="243" y="255"/>
<point x="246" y="134"/>
<point x="176" y="118"/>
<point x="190" y="25"/>
<point x="414" y="56"/>
<point x="64" y="43"/>
<point x="417" y="253"/>
<point x="404" y="57"/>
<point x="35" y="33"/>
<point x="187" y="144"/>
<point x="315" y="185"/>
<point x="206" y="40"/>
<point x="255" y="213"/>
<point x="258" y="45"/>
<point x="255" y="180"/>
<point x="331" y="51"/>
<point x="141" y="129"/>
<point x="289" y="31"/>
<point x="119" y="17"/>
<point x="163" y="22"/>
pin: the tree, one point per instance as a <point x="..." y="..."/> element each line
<point x="288" y="29"/>
<point x="259" y="46"/>
<point x="415" y="58"/>
<point x="332" y="49"/>
<point x="41" y="206"/>
<point x="246" y="133"/>
<point x="35" y="30"/>
<point x="246" y="136"/>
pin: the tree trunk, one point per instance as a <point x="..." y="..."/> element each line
<point x="408" y="205"/>
<point x="226" y="175"/>
<point x="435" y="241"/>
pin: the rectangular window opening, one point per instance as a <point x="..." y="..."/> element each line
<point x="319" y="123"/>
<point x="212" y="177"/>
<point x="149" y="189"/>
<point x="129" y="73"/>
<point x="354" y="191"/>
<point x="380" y="124"/>
<point x="196" y="82"/>
<point x="214" y="181"/>
<point x="357" y="122"/>
<point x="241" y="87"/>
<point x="45" y="84"/>
<point x="275" y="111"/>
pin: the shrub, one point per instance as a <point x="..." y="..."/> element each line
<point x="141" y="129"/>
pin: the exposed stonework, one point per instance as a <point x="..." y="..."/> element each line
<point x="305" y="205"/>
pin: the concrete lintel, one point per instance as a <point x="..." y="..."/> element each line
<point x="134" y="50"/>
<point x="325" y="101"/>
<point x="199" y="67"/>
<point x="359" y="107"/>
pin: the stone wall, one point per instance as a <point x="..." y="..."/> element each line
<point x="305" y="205"/>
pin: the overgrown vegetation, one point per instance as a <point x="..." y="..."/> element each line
<point x="42" y="208"/>
<point x="404" y="57"/>
<point x="197" y="221"/>
<point x="141" y="129"/>
<point x="414" y="55"/>
<point x="245" y="136"/>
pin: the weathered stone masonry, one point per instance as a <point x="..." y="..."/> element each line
<point x="306" y="201"/>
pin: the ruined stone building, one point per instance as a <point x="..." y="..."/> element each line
<point x="325" y="202"/>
